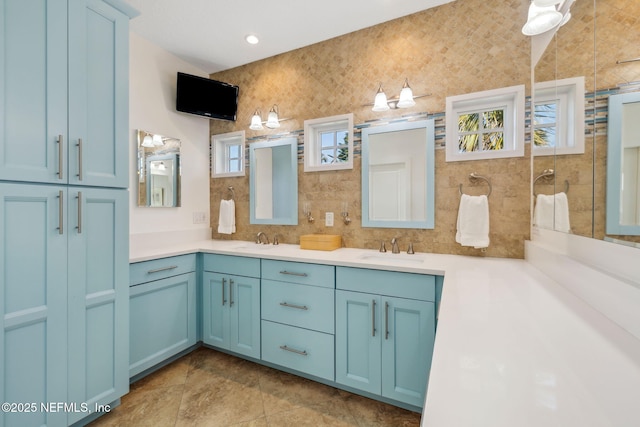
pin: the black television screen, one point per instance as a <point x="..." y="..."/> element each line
<point x="206" y="97"/>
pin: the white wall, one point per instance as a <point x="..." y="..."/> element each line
<point x="152" y="88"/>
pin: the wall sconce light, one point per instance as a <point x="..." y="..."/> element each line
<point x="405" y="100"/>
<point x="545" y="15"/>
<point x="147" y="141"/>
<point x="157" y="140"/>
<point x="273" y="121"/>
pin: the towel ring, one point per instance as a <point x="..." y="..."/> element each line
<point x="546" y="175"/>
<point x="473" y="177"/>
<point x="231" y="193"/>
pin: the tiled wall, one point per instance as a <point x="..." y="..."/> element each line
<point x="462" y="47"/>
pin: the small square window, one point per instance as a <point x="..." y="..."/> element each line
<point x="328" y="143"/>
<point x="558" y="120"/>
<point x="485" y="125"/>
<point x="228" y="154"/>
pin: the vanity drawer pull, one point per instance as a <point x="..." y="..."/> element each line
<point x="158" y="270"/>
<point x="299" y="307"/>
<point x="293" y="350"/>
<point x="290" y="273"/>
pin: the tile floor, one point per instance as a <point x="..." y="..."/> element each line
<point x="209" y="388"/>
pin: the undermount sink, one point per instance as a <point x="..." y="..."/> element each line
<point x="253" y="247"/>
<point x="392" y="258"/>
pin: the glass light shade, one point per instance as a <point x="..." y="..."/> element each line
<point x="406" y="96"/>
<point x="162" y="167"/>
<point x="545" y="3"/>
<point x="147" y="141"/>
<point x="256" y="121"/>
<point x="541" y="20"/>
<point x="380" y="103"/>
<point x="157" y="141"/>
<point x="272" y="118"/>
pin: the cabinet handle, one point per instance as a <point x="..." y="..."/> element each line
<point x="79" y="227"/>
<point x="373" y="318"/>
<point x="230" y="292"/>
<point x="158" y="270"/>
<point x="79" y="145"/>
<point x="224" y="300"/>
<point x="386" y="320"/>
<point x="299" y="307"/>
<point x="60" y="155"/>
<point x="290" y="273"/>
<point x="293" y="350"/>
<point x="60" y="212"/>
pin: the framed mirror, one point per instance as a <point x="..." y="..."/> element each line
<point x="158" y="170"/>
<point x="398" y="175"/>
<point x="623" y="165"/>
<point x="273" y="182"/>
<point x="227" y="151"/>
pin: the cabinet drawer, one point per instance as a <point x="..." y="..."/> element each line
<point x="299" y="272"/>
<point x="308" y="307"/>
<point x="299" y="349"/>
<point x="147" y="271"/>
<point x="392" y="283"/>
<point x="230" y="264"/>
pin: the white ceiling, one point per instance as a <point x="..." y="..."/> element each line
<point x="210" y="34"/>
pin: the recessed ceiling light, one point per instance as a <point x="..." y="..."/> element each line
<point x="252" y="39"/>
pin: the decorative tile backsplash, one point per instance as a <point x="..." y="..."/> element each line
<point x="461" y="47"/>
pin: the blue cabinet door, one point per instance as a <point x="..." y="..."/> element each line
<point x="244" y="311"/>
<point x="33" y="301"/>
<point x="407" y="346"/>
<point x="98" y="296"/>
<point x="215" y="309"/>
<point x="98" y="95"/>
<point x="33" y="90"/>
<point x="231" y="313"/>
<point x="162" y="320"/>
<point x="358" y="335"/>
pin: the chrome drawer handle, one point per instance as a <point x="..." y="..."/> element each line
<point x="293" y="350"/>
<point x="158" y="270"/>
<point x="290" y="273"/>
<point x="299" y="307"/>
<point x="60" y="156"/>
<point x="373" y="318"/>
<point x="79" y="145"/>
<point x="60" y="212"/>
<point x="386" y="320"/>
<point x="224" y="299"/>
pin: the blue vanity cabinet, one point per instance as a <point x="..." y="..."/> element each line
<point x="385" y="330"/>
<point x="162" y="310"/>
<point x="64" y="79"/>
<point x="298" y="316"/>
<point x="231" y="304"/>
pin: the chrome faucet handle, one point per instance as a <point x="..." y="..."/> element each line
<point x="260" y="233"/>
<point x="410" y="249"/>
<point x="394" y="248"/>
<point x="275" y="240"/>
<point x="382" y="246"/>
<point x="259" y="238"/>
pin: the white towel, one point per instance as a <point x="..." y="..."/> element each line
<point x="227" y="218"/>
<point x="473" y="221"/>
<point x="552" y="212"/>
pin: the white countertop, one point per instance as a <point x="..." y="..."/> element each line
<point x="513" y="348"/>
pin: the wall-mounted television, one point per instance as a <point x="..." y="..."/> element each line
<point x="206" y="97"/>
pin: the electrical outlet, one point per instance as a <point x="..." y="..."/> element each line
<point x="328" y="219"/>
<point x="199" y="217"/>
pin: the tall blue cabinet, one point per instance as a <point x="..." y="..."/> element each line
<point x="63" y="207"/>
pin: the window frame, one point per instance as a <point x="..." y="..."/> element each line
<point x="569" y="94"/>
<point x="313" y="143"/>
<point x="510" y="99"/>
<point x="220" y="156"/>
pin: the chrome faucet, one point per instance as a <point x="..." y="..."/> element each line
<point x="383" y="248"/>
<point x="275" y="239"/>
<point x="259" y="238"/>
<point x="394" y="246"/>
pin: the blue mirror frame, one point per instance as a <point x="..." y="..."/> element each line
<point x="428" y="204"/>
<point x="614" y="165"/>
<point x="284" y="181"/>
